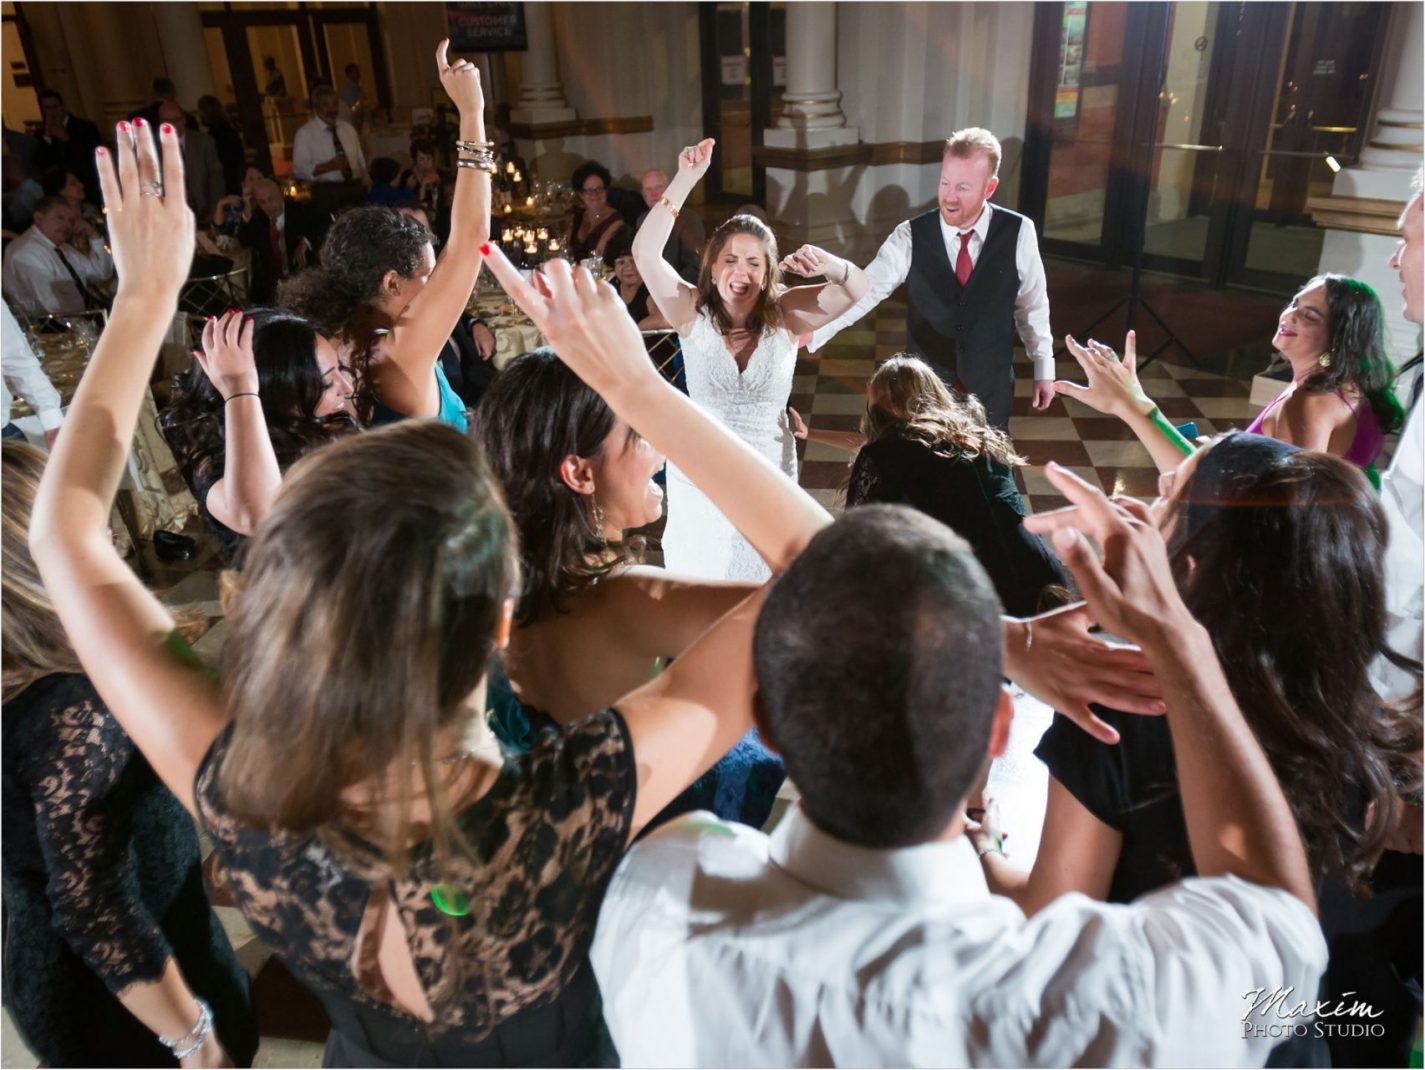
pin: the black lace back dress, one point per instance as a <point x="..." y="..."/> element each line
<point x="102" y="885"/>
<point x="504" y="966"/>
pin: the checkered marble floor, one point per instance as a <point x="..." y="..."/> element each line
<point x="829" y="391"/>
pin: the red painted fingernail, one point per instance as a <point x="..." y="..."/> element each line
<point x="101" y="151"/>
<point x="484" y="248"/>
<point x="139" y="121"/>
<point x="167" y="128"/>
<point x="124" y="127"/>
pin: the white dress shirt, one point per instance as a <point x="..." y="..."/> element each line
<point x="313" y="145"/>
<point x="24" y="376"/>
<point x="1031" y="305"/>
<point x="35" y="279"/>
<point x="720" y="946"/>
<point x="1402" y="498"/>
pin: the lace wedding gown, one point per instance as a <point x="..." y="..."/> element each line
<point x="699" y="540"/>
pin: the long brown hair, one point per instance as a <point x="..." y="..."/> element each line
<point x="367" y="615"/>
<point x="906" y="397"/>
<point x="766" y="313"/>
<point x="1280" y="559"/>
<point x="35" y="644"/>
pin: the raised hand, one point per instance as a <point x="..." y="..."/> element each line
<point x="695" y="159"/>
<point x="811" y="260"/>
<point x="1113" y="387"/>
<point x="585" y="321"/>
<point x="226" y="357"/>
<point x="1131" y="592"/>
<point x="151" y="229"/>
<point x="461" y="81"/>
<point x="799" y="426"/>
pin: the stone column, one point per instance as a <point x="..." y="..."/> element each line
<point x="541" y="97"/>
<point x="185" y="51"/>
<point x="1359" y="216"/>
<point x="811" y="101"/>
<point x="120" y="88"/>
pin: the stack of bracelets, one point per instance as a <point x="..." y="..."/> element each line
<point x="195" y="1038"/>
<point x="479" y="155"/>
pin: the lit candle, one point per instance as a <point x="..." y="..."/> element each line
<point x="508" y="209"/>
<point x="510" y="167"/>
<point x="542" y="234"/>
<point x="531" y="248"/>
<point x="508" y="237"/>
<point x="553" y="245"/>
<point x="529" y="202"/>
<point x="517" y="178"/>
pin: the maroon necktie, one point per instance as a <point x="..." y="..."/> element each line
<point x="963" y="264"/>
<point x="279" y="262"/>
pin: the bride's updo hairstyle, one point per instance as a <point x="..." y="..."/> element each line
<point x="767" y="313"/>
<point x="368" y="610"/>
<point x="536" y="413"/>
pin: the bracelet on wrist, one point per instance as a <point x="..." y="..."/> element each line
<point x="195" y="1038"/>
<point x="666" y="203"/>
<point x="473" y="146"/>
<point x="241" y="394"/>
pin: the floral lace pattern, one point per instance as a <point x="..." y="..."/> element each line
<point x="544" y="843"/>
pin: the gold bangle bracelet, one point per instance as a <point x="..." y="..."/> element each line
<point x="666" y="203"/>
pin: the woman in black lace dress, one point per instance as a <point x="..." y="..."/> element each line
<point x="103" y="889"/>
<point x="440" y="903"/>
<point x="935" y="452"/>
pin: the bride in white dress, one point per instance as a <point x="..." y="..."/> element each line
<point x="739" y="328"/>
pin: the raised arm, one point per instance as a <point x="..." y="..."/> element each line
<point x="883" y="274"/>
<point x="251" y="478"/>
<point x="123" y="635"/>
<point x="675" y="297"/>
<point x="403" y="376"/>
<point x="1239" y="822"/>
<point x="808" y="308"/>
<point x="590" y="329"/>
<point x="1114" y="390"/>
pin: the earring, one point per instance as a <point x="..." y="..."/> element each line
<point x="599" y="522"/>
<point x="1325" y="359"/>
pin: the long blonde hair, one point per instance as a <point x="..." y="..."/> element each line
<point x="905" y="396"/>
<point x="35" y="644"/>
<point x="767" y="313"/>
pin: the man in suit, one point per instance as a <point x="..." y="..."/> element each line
<point x="283" y="235"/>
<point x="68" y="143"/>
<point x="974" y="278"/>
<point x="202" y="170"/>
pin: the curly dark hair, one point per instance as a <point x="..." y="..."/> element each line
<point x="1299" y="537"/>
<point x="1357" y="326"/>
<point x="338" y="296"/>
<point x="289" y="387"/>
<point x="585" y="170"/>
<point x="536" y="413"/>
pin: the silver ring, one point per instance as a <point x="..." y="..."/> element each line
<point x="152" y="189"/>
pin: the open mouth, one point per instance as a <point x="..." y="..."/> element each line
<point x="739" y="289"/>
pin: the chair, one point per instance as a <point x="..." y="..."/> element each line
<point x="666" y="353"/>
<point x="212" y="295"/>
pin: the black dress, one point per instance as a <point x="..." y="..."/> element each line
<point x="976" y="498"/>
<point x="507" y="974"/>
<point x="102" y="884"/>
<point x="1374" y="943"/>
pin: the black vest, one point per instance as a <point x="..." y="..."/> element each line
<point x="965" y="333"/>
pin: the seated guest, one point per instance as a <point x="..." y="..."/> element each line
<point x="110" y="944"/>
<point x="282" y="233"/>
<point x="684" y="249"/>
<point x="1339" y="401"/>
<point x="25" y="378"/>
<point x="226" y="140"/>
<point x="1255" y="528"/>
<point x="235" y="209"/>
<point x="385" y="190"/>
<point x="44" y="273"/>
<point x="935" y="451"/>
<point x="864" y="922"/>
<point x="89" y="225"/>
<point x="264" y="391"/>
<point x="618" y="258"/>
<point x="421" y="182"/>
<point x="67" y="141"/>
<point x="594" y="220"/>
<point x="592" y="622"/>
<point x="202" y="168"/>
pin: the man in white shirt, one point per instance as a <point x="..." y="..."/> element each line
<point x="24" y="377"/>
<point x="326" y="149"/>
<point x="975" y="278"/>
<point x="43" y="273"/>
<point x="861" y="932"/>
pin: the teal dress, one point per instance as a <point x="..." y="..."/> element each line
<point x="452" y="409"/>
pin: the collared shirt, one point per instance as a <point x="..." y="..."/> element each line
<point x="24" y="376"/>
<point x="1404" y="503"/>
<point x="35" y="279"/>
<point x="313" y="144"/>
<point x="1031" y="305"/>
<point x="720" y="946"/>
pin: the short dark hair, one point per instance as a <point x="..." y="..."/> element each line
<point x="383" y="171"/>
<point x="585" y="171"/>
<point x="48" y="202"/>
<point x="620" y="244"/>
<point x="878" y="662"/>
<point x="54" y="180"/>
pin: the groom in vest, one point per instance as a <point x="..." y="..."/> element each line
<point x="975" y="278"/>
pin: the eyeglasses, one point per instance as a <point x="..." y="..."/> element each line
<point x="589" y="191"/>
